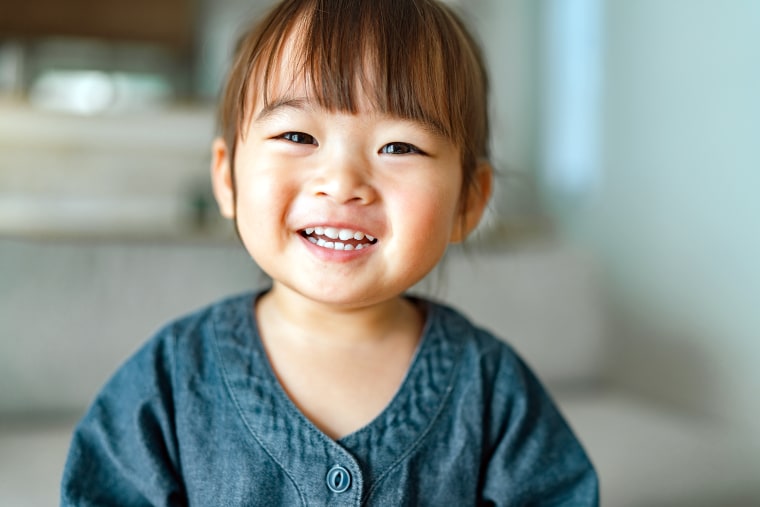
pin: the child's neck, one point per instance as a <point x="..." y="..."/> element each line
<point x="340" y="367"/>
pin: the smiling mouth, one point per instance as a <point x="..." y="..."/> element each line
<point x="338" y="239"/>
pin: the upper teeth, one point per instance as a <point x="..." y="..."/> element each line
<point x="335" y="233"/>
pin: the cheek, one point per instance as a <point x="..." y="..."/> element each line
<point x="429" y="212"/>
<point x="261" y="201"/>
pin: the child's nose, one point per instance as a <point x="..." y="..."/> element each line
<point x="344" y="179"/>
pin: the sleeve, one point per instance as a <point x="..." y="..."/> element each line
<point x="535" y="458"/>
<point x="124" y="450"/>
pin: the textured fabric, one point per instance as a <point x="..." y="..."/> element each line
<point x="197" y="417"/>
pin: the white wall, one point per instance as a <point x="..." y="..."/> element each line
<point x="676" y="213"/>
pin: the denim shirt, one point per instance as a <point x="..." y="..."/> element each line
<point x="197" y="417"/>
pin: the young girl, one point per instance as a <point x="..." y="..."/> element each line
<point x="353" y="151"/>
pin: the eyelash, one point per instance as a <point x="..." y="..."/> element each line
<point x="401" y="148"/>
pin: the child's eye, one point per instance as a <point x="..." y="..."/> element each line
<point x="400" y="149"/>
<point x="299" y="138"/>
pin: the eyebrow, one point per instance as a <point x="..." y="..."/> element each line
<point x="433" y="127"/>
<point x="301" y="103"/>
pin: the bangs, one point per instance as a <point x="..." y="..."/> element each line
<point x="410" y="59"/>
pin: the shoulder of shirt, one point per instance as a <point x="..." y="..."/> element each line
<point x="191" y="335"/>
<point x="231" y="308"/>
<point x="489" y="347"/>
<point x="488" y="361"/>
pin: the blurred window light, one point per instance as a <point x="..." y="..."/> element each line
<point x="82" y="92"/>
<point x="572" y="95"/>
<point x="89" y="92"/>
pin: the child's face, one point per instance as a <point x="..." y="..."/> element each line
<point x="388" y="187"/>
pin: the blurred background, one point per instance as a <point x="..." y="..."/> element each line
<point x="620" y="254"/>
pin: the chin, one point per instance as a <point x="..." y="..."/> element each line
<point x="344" y="298"/>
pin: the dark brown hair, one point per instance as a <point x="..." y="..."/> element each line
<point x="412" y="59"/>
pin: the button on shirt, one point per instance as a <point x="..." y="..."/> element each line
<point x="338" y="479"/>
<point x="197" y="417"/>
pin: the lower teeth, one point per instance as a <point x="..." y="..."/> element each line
<point x="335" y="245"/>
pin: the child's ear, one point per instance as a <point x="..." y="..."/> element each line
<point x="221" y="178"/>
<point x="475" y="203"/>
